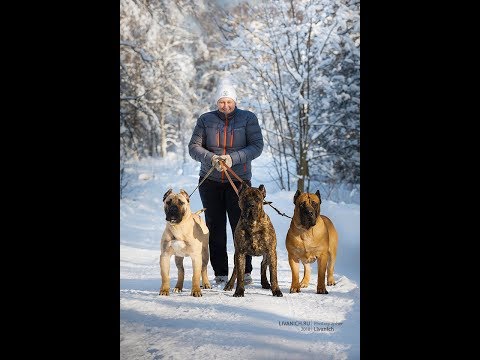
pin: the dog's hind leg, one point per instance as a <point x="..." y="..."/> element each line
<point x="230" y="282"/>
<point x="306" y="275"/>
<point x="205" y="282"/>
<point x="181" y="274"/>
<point x="332" y="250"/>
<point x="331" y="265"/>
<point x="263" y="272"/>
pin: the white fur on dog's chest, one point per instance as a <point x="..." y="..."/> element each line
<point x="179" y="247"/>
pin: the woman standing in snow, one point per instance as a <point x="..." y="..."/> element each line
<point x="234" y="136"/>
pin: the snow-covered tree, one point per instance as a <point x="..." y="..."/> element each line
<point x="295" y="63"/>
<point x="157" y="91"/>
<point x="302" y="61"/>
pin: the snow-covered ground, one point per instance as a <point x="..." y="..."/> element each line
<point x="305" y="325"/>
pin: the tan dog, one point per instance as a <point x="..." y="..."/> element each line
<point x="311" y="237"/>
<point x="185" y="235"/>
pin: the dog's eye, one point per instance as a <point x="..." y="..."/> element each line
<point x="180" y="202"/>
<point x="168" y="202"/>
<point x="314" y="204"/>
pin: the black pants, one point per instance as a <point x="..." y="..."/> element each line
<point x="220" y="199"/>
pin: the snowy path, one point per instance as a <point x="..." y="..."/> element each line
<point x="305" y="325"/>
<point x="217" y="325"/>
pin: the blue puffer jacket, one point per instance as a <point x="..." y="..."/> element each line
<point x="237" y="134"/>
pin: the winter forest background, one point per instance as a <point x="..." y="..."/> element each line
<point x="295" y="64"/>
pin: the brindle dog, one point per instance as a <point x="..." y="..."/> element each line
<point x="311" y="237"/>
<point x="254" y="235"/>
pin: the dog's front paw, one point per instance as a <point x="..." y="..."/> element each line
<point x="207" y="286"/>
<point x="331" y="282"/>
<point x="295" y="289"/>
<point x="322" y="291"/>
<point x="277" y="293"/>
<point x="303" y="284"/>
<point x="164" y="292"/>
<point x="177" y="290"/>
<point x="239" y="293"/>
<point x="196" y="293"/>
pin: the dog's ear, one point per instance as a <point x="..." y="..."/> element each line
<point x="295" y="197"/>
<point x="184" y="193"/>
<point x="319" y="197"/>
<point x="263" y="190"/>
<point x="166" y="194"/>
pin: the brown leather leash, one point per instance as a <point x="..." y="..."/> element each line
<point x="226" y="167"/>
<point x="204" y="178"/>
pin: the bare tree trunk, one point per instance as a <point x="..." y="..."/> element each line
<point x="303" y="172"/>
<point x="163" y="132"/>
<point x="151" y="143"/>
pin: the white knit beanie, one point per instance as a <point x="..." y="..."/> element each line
<point x="226" y="90"/>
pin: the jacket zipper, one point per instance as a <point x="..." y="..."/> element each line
<point x="225" y="142"/>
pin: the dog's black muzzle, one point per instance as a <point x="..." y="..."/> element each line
<point x="308" y="217"/>
<point x="173" y="214"/>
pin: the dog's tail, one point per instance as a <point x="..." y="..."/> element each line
<point x="198" y="212"/>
